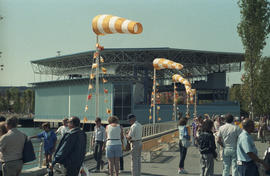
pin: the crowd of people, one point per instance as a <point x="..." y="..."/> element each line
<point x="69" y="154"/>
<point x="226" y="139"/>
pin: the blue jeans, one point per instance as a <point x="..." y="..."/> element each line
<point x="229" y="159"/>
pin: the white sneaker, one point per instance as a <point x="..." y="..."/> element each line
<point x="182" y="171"/>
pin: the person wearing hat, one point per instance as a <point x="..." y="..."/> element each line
<point x="135" y="138"/>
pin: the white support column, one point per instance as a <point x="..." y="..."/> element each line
<point x="174" y="100"/>
<point x="97" y="80"/>
<point x="154" y="102"/>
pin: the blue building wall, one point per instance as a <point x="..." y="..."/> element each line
<point x="59" y="101"/>
<point x="166" y="111"/>
<point x="55" y="102"/>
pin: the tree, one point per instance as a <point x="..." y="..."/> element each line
<point x="253" y="30"/>
<point x="15" y="96"/>
<point x="263" y="93"/>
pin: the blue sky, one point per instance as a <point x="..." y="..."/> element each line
<point x="36" y="29"/>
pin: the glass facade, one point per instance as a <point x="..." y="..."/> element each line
<point x="122" y="100"/>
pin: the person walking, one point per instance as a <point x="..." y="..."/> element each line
<point x="71" y="149"/>
<point x="114" y="134"/>
<point x="262" y="129"/>
<point x="99" y="144"/>
<point x="247" y="154"/>
<point x="183" y="144"/>
<point x="64" y="128"/>
<point x="49" y="142"/>
<point x="3" y="130"/>
<point x="227" y="139"/>
<point x="207" y="147"/>
<point x="11" y="148"/>
<point x="135" y="138"/>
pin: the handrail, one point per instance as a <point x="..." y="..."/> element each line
<point x="147" y="130"/>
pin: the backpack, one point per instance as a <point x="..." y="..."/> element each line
<point x="28" y="151"/>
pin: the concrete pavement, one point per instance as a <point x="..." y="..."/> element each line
<point x="167" y="163"/>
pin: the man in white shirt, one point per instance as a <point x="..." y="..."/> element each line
<point x="11" y="148"/>
<point x="135" y="138"/>
<point x="227" y="138"/>
<point x="99" y="143"/>
<point x="64" y="128"/>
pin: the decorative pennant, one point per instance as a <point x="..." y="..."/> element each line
<point x="86" y="108"/>
<point x="104" y="80"/>
<point x="104" y="70"/>
<point x="89" y="96"/>
<point x="96" y="54"/>
<point x="90" y="87"/>
<point x="94" y="65"/>
<point x="108" y="111"/>
<point x="106" y="91"/>
<point x="92" y="76"/>
<point x="101" y="59"/>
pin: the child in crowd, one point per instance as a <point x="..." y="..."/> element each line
<point x="207" y="148"/>
<point x="49" y="141"/>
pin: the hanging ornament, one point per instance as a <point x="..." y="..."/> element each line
<point x="86" y="108"/>
<point x="104" y="80"/>
<point x="150" y="117"/>
<point x="108" y="111"/>
<point x="150" y="110"/>
<point x="159" y="119"/>
<point x="84" y="120"/>
<point x="89" y="96"/>
<point x="104" y="70"/>
<point x="101" y="59"/>
<point x="94" y="65"/>
<point x="96" y="54"/>
<point x="105" y="101"/>
<point x="90" y="87"/>
<point x="106" y="91"/>
<point x="99" y="47"/>
<point x="158" y="107"/>
<point x="92" y="76"/>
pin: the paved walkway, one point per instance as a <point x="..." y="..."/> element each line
<point x="167" y="164"/>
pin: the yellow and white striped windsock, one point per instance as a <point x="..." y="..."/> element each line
<point x="192" y="94"/>
<point x="109" y="24"/>
<point x="162" y="63"/>
<point x="179" y="78"/>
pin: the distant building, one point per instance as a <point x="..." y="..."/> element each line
<point x="129" y="75"/>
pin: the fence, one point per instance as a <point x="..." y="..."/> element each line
<point x="147" y="130"/>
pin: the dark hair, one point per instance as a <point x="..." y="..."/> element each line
<point x="98" y="119"/>
<point x="75" y="121"/>
<point x="12" y="122"/>
<point x="113" y="119"/>
<point x="247" y="123"/>
<point x="207" y="126"/>
<point x="2" y="119"/>
<point x="182" y="122"/>
<point x="45" y="125"/>
<point x="3" y="127"/>
<point x="229" y="118"/>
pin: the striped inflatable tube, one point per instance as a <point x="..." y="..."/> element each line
<point x="109" y="24"/>
<point x="161" y="63"/>
<point x="179" y="78"/>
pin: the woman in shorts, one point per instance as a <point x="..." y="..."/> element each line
<point x="114" y="134"/>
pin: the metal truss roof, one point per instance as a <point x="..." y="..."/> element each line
<point x="138" y="62"/>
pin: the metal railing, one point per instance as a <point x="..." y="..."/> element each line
<point x="147" y="130"/>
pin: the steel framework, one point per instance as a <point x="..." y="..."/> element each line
<point x="137" y="62"/>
